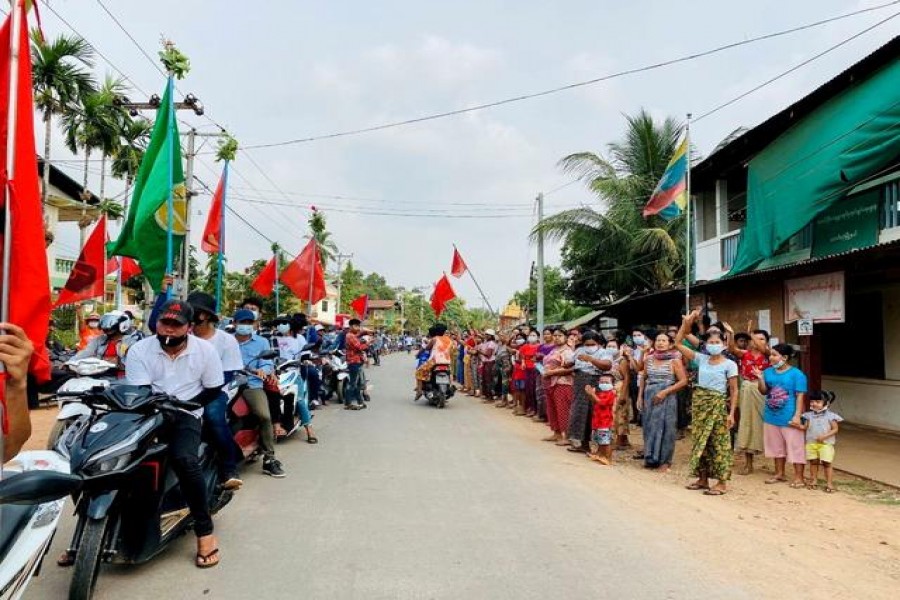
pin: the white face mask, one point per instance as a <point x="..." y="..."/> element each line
<point x="639" y="340"/>
<point x="532" y="339"/>
<point x="715" y="349"/>
<point x="605" y="387"/>
<point x="284" y="328"/>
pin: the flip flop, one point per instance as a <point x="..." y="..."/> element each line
<point x="830" y="490"/>
<point x="796" y="485"/>
<point x="696" y="486"/>
<point x="775" y="480"/>
<point x="312" y="440"/>
<point x="714" y="492"/>
<point x="205" y="561"/>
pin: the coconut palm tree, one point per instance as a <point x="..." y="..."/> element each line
<point x="60" y="79"/>
<point x="95" y="124"/>
<point x="327" y="248"/>
<point x="133" y="139"/>
<point x="609" y="249"/>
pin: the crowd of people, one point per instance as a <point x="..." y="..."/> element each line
<point x="733" y="393"/>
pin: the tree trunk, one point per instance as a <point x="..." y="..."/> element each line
<point x="83" y="224"/>
<point x="45" y="188"/>
<point x="102" y="176"/>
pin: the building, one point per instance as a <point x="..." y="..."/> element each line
<point x="512" y="316"/>
<point x="326" y="310"/>
<point x="382" y="314"/>
<point x="797" y="224"/>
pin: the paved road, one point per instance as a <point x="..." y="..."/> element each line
<point x="407" y="501"/>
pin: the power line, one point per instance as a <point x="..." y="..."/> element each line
<point x="794" y="68"/>
<point x="571" y="86"/>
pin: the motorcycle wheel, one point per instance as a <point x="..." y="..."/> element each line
<point x="439" y="400"/>
<point x="341" y="391"/>
<point x="56" y="432"/>
<point x="87" y="560"/>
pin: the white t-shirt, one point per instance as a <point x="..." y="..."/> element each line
<point x="185" y="376"/>
<point x="289" y="347"/>
<point x="228" y="349"/>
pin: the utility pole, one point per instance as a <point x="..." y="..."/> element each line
<point x="340" y="261"/>
<point x="540" y="264"/>
<point x="188" y="193"/>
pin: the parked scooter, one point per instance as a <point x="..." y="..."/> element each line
<point x="334" y="375"/>
<point x="28" y="519"/>
<point x="439" y="389"/>
<point x="244" y="424"/>
<point x="130" y="506"/>
<point x="89" y="374"/>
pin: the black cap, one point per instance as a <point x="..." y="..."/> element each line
<point x="178" y="311"/>
<point x="203" y="302"/>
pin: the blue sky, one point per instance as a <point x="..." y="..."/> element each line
<point x="276" y="70"/>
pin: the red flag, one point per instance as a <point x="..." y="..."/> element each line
<point x="442" y="294"/>
<point x="361" y="306"/>
<point x="212" y="233"/>
<point x="88" y="277"/>
<point x="265" y="281"/>
<point x="305" y="276"/>
<point x="459" y="265"/>
<point x="130" y="267"/>
<point x="29" y="280"/>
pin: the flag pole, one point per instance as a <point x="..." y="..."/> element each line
<point x="14" y="48"/>
<point x="220" y="258"/>
<point x="277" y="293"/>
<point x="480" y="291"/>
<point x="170" y="204"/>
<point x="687" y="236"/>
<point x="312" y="271"/>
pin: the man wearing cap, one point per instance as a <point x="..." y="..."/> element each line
<point x="215" y="414"/>
<point x="188" y="368"/>
<point x="252" y="346"/>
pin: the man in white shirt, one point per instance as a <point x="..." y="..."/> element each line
<point x="215" y="418"/>
<point x="190" y="369"/>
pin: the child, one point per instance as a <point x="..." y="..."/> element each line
<point x="821" y="426"/>
<point x="603" y="399"/>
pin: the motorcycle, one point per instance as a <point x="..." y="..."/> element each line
<point x="129" y="504"/>
<point x="334" y="375"/>
<point x="439" y="388"/>
<point x="292" y="391"/>
<point x="29" y="519"/>
<point x="89" y="373"/>
<point x="244" y="424"/>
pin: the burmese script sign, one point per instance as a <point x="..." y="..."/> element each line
<point x="819" y="297"/>
<point x="848" y="225"/>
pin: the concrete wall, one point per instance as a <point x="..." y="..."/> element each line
<point x="866" y="401"/>
<point x="709" y="260"/>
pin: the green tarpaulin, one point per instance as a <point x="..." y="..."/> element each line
<point x="814" y="164"/>
<point x="849" y="225"/>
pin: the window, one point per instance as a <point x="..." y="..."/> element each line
<point x="324" y="305"/>
<point x="737" y="201"/>
<point x="839" y="357"/>
<point x="705" y="203"/>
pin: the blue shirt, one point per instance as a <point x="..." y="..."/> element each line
<point x="781" y="399"/>
<point x="250" y="349"/>
<point x="714" y="376"/>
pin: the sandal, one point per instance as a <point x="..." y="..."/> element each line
<point x="714" y="492"/>
<point x="812" y="486"/>
<point x="829" y="489"/>
<point x="66" y="559"/>
<point x="696" y="486"/>
<point x="795" y="485"/>
<point x="208" y="560"/>
<point x="312" y="440"/>
<point x="776" y="480"/>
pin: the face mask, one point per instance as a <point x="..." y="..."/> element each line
<point x="518" y="342"/>
<point x="93" y="324"/>
<point x="639" y="340"/>
<point x="284" y="328"/>
<point x="592" y="350"/>
<point x="779" y="364"/>
<point x="612" y="349"/>
<point x="532" y="339"/>
<point x="605" y="387"/>
<point x="171" y="341"/>
<point x="244" y="329"/>
<point x="255" y="315"/>
<point x="715" y="349"/>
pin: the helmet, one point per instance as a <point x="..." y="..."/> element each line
<point x="115" y="322"/>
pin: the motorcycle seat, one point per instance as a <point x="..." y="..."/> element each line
<point x="13" y="519"/>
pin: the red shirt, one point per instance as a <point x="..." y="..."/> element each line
<point x="528" y="352"/>
<point x="518" y="373"/>
<point x="602" y="416"/>
<point x="355" y="349"/>
<point x="750" y="360"/>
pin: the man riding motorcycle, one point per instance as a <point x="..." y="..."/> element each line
<point x="440" y="348"/>
<point x="118" y="335"/>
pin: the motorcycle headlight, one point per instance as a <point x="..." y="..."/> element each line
<point x="110" y="464"/>
<point x="117" y="455"/>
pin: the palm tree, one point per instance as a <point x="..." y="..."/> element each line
<point x="95" y="125"/>
<point x="327" y="248"/>
<point x="611" y="250"/>
<point x="133" y="138"/>
<point x="59" y="80"/>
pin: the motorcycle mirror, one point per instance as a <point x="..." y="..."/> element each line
<point x="37" y="487"/>
<point x="268" y="354"/>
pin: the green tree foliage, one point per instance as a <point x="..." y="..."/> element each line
<point x="318" y="226"/>
<point x="609" y="249"/>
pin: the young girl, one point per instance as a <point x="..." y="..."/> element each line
<point x="603" y="399"/>
<point x="821" y="427"/>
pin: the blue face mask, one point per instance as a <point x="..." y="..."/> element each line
<point x="244" y="329"/>
<point x="715" y="349"/>
<point x="605" y="387"/>
<point x="284" y="328"/>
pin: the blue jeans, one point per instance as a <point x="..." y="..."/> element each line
<point x="354" y="383"/>
<point x="313" y="382"/>
<point x="216" y="421"/>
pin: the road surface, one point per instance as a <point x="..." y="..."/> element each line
<point x="407" y="501"/>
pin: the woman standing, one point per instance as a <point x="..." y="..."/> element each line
<point x="664" y="376"/>
<point x="475" y="364"/>
<point x="487" y="354"/>
<point x="467" y="363"/>
<point x="542" y="384"/>
<point x="558" y="366"/>
<point x="714" y="405"/>
<point x="503" y="372"/>
<point x="783" y="435"/>
<point x="527" y="354"/>
<point x="590" y="362"/>
<point x="621" y="372"/>
<point x="750" y="426"/>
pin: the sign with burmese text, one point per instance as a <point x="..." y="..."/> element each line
<point x="819" y="298"/>
<point x="849" y="225"/>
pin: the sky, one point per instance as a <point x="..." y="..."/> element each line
<point x="281" y="69"/>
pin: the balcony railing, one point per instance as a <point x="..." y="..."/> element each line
<point x="729" y="246"/>
<point x="890" y="205"/>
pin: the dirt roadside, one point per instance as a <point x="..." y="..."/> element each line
<point x="777" y="541"/>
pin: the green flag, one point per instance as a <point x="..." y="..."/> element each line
<point x="144" y="234"/>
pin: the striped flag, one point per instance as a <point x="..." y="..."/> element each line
<point x="669" y="199"/>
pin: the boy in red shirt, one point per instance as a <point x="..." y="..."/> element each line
<point x="603" y="399"/>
